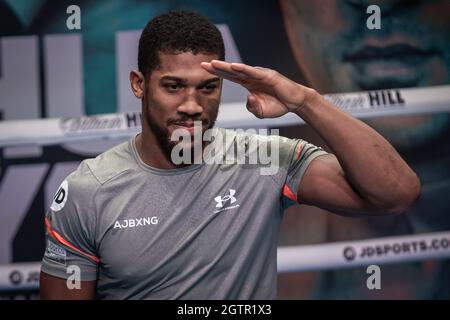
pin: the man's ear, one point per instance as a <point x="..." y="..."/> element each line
<point x="137" y="82"/>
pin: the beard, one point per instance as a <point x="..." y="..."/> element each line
<point x="163" y="135"/>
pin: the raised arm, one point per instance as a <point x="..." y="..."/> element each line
<point x="364" y="175"/>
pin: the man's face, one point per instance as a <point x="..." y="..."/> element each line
<point x="179" y="92"/>
<point x="337" y="52"/>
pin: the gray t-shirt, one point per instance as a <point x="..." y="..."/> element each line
<point x="205" y="231"/>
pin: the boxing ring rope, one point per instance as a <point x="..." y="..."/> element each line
<point x="363" y="104"/>
<point x="378" y="251"/>
<point x="381" y="251"/>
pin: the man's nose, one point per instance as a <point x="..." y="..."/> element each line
<point x="191" y="105"/>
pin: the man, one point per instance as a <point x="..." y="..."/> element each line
<point x="139" y="226"/>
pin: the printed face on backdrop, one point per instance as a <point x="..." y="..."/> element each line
<point x="337" y="52"/>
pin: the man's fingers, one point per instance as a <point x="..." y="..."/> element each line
<point x="254" y="107"/>
<point x="232" y="76"/>
<point x="256" y="73"/>
<point x="224" y="67"/>
<point x="237" y="72"/>
<point x="239" y="69"/>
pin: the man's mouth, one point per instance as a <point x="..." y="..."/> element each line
<point x="393" y="63"/>
<point x="188" y="125"/>
<point x="393" y="53"/>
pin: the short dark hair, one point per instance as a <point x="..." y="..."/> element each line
<point x="177" y="32"/>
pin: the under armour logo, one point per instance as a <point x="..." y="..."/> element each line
<point x="221" y="200"/>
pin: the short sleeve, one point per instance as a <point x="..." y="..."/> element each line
<point x="70" y="228"/>
<point x="297" y="155"/>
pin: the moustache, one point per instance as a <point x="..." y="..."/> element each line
<point x="187" y="122"/>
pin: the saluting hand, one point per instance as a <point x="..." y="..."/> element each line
<point x="271" y="94"/>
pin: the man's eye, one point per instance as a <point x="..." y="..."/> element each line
<point x="172" y="87"/>
<point x="209" y="88"/>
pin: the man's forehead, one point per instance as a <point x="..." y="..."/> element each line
<point x="185" y="65"/>
<point x="174" y="61"/>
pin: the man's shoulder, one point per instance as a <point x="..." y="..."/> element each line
<point x="261" y="135"/>
<point x="257" y="140"/>
<point x="262" y="150"/>
<point x="107" y="165"/>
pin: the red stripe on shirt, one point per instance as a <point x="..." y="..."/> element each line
<point x="55" y="235"/>
<point x="287" y="192"/>
<point x="297" y="152"/>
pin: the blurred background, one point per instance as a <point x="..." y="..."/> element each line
<point x="48" y="70"/>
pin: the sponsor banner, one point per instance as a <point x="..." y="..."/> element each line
<point x="233" y="115"/>
<point x="393" y="101"/>
<point x="20" y="276"/>
<point x="56" y="131"/>
<point x="366" y="252"/>
<point x="100" y="123"/>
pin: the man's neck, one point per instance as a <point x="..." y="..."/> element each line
<point x="151" y="153"/>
